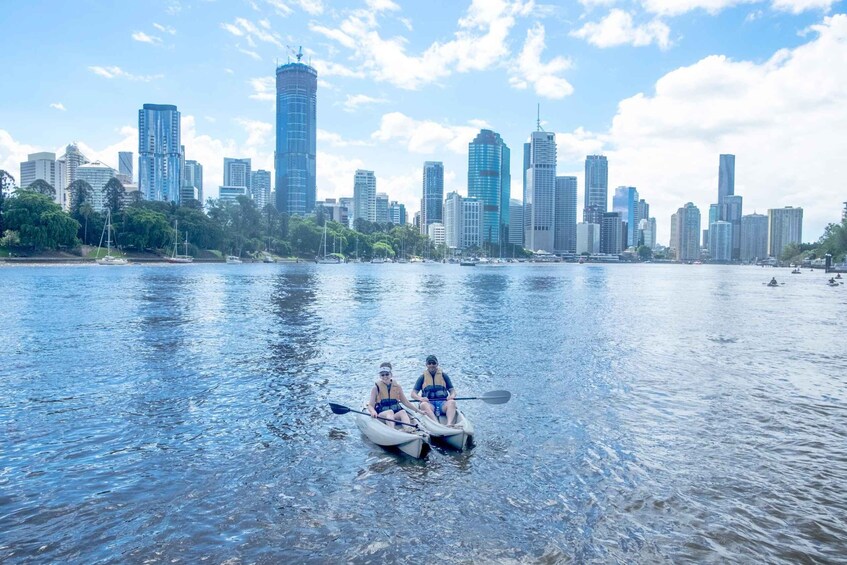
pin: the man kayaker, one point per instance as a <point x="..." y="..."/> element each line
<point x="387" y="397"/>
<point x="435" y="391"/>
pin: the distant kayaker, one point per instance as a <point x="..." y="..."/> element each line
<point x="435" y="391"/>
<point x="387" y="397"/>
<point x="773" y="282"/>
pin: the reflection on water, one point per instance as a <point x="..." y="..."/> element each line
<point x="659" y="413"/>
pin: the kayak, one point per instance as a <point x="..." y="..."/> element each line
<point x="414" y="443"/>
<point x="458" y="437"/>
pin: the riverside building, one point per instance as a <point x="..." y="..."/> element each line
<point x="159" y="152"/>
<point x="489" y="178"/>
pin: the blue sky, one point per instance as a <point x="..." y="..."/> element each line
<point x="661" y="87"/>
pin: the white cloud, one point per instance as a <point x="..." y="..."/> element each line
<point x="799" y="6"/>
<point x="12" y="153"/>
<point x="257" y="131"/>
<point x="528" y="69"/>
<point x="232" y="29"/>
<point x="382" y="5"/>
<point x="244" y="27"/>
<point x="335" y="139"/>
<point x="144" y="38"/>
<point x="328" y="68"/>
<point x="165" y="28"/>
<point x="311" y="7"/>
<point x="264" y="88"/>
<point x="58" y="106"/>
<point x="248" y="52"/>
<point x="353" y="102"/>
<point x="777" y="117"/>
<point x="679" y="7"/>
<point x="478" y="44"/>
<point x="281" y="7"/>
<point x="424" y="136"/>
<point x="617" y="29"/>
<point x="117" y="72"/>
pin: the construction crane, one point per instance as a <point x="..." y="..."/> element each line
<point x="298" y="54"/>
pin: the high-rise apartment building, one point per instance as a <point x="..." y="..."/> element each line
<point x="785" y="226"/>
<point x="193" y="177"/>
<point x="40" y="166"/>
<point x="516" y="230"/>
<point x="97" y="175"/>
<point x="432" y="198"/>
<point x="673" y="244"/>
<point x="348" y="203"/>
<point x="159" y="152"/>
<point x="260" y="188"/>
<point x="364" y="196"/>
<point x="647" y="232"/>
<point x="720" y="241"/>
<point x="596" y="185"/>
<point x="435" y="232"/>
<point x="587" y="238"/>
<point x="732" y="214"/>
<point x="381" y="207"/>
<point x="539" y="210"/>
<point x="688" y="232"/>
<point x="296" y="134"/>
<point x="397" y="213"/>
<point x="237" y="172"/>
<point x="453" y="220"/>
<point x="754" y="237"/>
<point x="564" y="238"/>
<point x="611" y="233"/>
<point x="489" y="179"/>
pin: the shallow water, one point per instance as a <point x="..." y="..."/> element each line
<point x="660" y="413"/>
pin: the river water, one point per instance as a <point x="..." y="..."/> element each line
<point x="660" y="413"/>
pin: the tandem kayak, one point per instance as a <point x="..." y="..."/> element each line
<point x="458" y="437"/>
<point x="414" y="443"/>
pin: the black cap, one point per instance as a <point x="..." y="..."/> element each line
<point x="432" y="359"/>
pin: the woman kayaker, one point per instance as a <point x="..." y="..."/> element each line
<point x="387" y="397"/>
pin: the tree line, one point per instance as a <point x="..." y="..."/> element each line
<point x="32" y="222"/>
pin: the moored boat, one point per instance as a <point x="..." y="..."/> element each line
<point x="458" y="437"/>
<point x="414" y="443"/>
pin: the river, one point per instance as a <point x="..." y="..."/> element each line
<point x="659" y="413"/>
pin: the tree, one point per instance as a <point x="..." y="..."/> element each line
<point x="114" y="195"/>
<point x="41" y="186"/>
<point x="40" y="222"/>
<point x="81" y="192"/>
<point x="644" y="252"/>
<point x="7" y="181"/>
<point x="86" y="211"/>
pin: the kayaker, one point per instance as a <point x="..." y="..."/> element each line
<point x="773" y="282"/>
<point x="387" y="397"/>
<point x="435" y="391"/>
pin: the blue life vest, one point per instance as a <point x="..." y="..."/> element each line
<point x="434" y="387"/>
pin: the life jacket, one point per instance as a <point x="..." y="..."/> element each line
<point x="387" y="397"/>
<point x="434" y="387"/>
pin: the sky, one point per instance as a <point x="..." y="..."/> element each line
<point x="661" y="87"/>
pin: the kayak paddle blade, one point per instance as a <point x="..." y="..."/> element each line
<point x="496" y="397"/>
<point x="338" y="408"/>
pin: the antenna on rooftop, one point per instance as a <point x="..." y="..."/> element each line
<point x="538" y="119"/>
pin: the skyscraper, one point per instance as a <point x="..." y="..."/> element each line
<point x="237" y="172"/>
<point x="489" y="178"/>
<point x="159" y="156"/>
<point x="596" y="185"/>
<point x="125" y="164"/>
<point x="296" y="131"/>
<point x="453" y="220"/>
<point x="726" y="179"/>
<point x="193" y="176"/>
<point x="720" y="240"/>
<point x="611" y="233"/>
<point x="754" y="237"/>
<point x="732" y="214"/>
<point x="397" y="213"/>
<point x="539" y="211"/>
<point x="39" y="166"/>
<point x="382" y="207"/>
<point x="364" y="196"/>
<point x="564" y="238"/>
<point x="433" y="194"/>
<point x="647" y="232"/>
<point x="516" y="230"/>
<point x="260" y="188"/>
<point x="96" y="174"/>
<point x="688" y="232"/>
<point x="625" y="202"/>
<point x="785" y="226"/>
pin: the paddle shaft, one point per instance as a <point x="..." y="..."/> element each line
<point x="383" y="419"/>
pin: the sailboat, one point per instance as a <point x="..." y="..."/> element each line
<point x="108" y="258"/>
<point x="175" y="257"/>
<point x="326" y="258"/>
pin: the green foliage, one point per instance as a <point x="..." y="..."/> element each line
<point x="81" y="192"/>
<point x="41" y="186"/>
<point x="40" y="222"/>
<point x="114" y="194"/>
<point x="144" y="229"/>
<point x="644" y="253"/>
<point x="834" y="241"/>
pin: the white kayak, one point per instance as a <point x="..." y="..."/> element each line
<point x="457" y="437"/>
<point x="414" y="443"/>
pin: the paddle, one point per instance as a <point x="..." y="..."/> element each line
<point x="491" y="397"/>
<point x="340" y="409"/>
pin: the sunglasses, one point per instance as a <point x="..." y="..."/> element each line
<point x="431" y="363"/>
<point x="384" y="374"/>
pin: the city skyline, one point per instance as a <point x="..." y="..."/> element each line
<point x="665" y="105"/>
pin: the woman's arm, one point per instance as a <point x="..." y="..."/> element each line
<point x="372" y="402"/>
